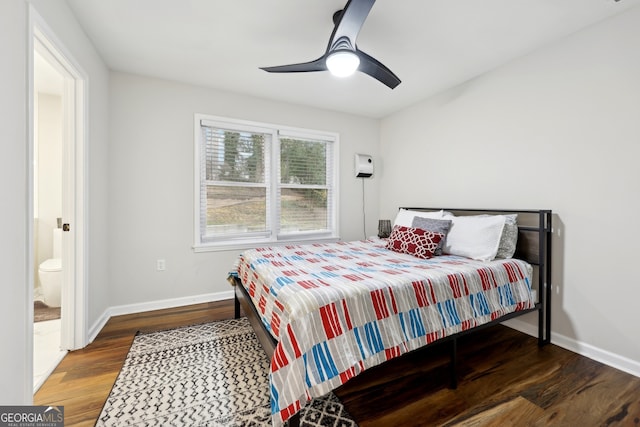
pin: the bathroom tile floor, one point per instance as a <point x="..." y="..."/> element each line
<point x="46" y="350"/>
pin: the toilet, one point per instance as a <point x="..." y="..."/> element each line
<point x="50" y="272"/>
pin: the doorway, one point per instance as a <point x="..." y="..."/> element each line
<point x="57" y="177"/>
<point x="47" y="221"/>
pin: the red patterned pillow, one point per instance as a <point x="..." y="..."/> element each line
<point x="414" y="241"/>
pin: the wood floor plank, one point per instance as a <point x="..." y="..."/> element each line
<point x="504" y="378"/>
<point x="517" y="412"/>
<point x="608" y="396"/>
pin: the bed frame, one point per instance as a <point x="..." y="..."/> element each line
<point x="534" y="246"/>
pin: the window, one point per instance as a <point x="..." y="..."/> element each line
<point x="262" y="184"/>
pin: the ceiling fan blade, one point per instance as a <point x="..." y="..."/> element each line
<point x="377" y="70"/>
<point x="350" y="21"/>
<point x="315" y="65"/>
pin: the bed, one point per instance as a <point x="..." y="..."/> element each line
<point x="326" y="312"/>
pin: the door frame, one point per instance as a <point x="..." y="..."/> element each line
<point x="74" y="331"/>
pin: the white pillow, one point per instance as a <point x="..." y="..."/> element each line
<point x="476" y="237"/>
<point x="405" y="216"/>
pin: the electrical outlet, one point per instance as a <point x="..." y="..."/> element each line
<point x="161" y="265"/>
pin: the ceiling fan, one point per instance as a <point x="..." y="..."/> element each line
<point x="342" y="56"/>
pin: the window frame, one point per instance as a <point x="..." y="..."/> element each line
<point x="274" y="236"/>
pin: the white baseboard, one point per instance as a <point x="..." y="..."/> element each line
<point x="154" y="305"/>
<point x="97" y="326"/>
<point x="610" y="359"/>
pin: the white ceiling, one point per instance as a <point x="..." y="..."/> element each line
<point x="431" y="45"/>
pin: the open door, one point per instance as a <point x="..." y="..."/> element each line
<point x="74" y="333"/>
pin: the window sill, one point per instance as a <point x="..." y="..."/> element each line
<point x="235" y="246"/>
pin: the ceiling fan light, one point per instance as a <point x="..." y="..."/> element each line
<point x="343" y="63"/>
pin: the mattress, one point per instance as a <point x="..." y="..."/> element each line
<point x="337" y="309"/>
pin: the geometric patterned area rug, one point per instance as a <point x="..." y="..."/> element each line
<point x="215" y="374"/>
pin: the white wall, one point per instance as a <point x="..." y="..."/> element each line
<point x="151" y="183"/>
<point x="14" y="364"/>
<point x="557" y="129"/>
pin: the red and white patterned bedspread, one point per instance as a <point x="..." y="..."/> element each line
<point x="339" y="308"/>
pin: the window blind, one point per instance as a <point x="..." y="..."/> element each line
<point x="305" y="185"/>
<point x="235" y="171"/>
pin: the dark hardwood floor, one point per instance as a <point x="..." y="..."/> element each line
<point x="504" y="379"/>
